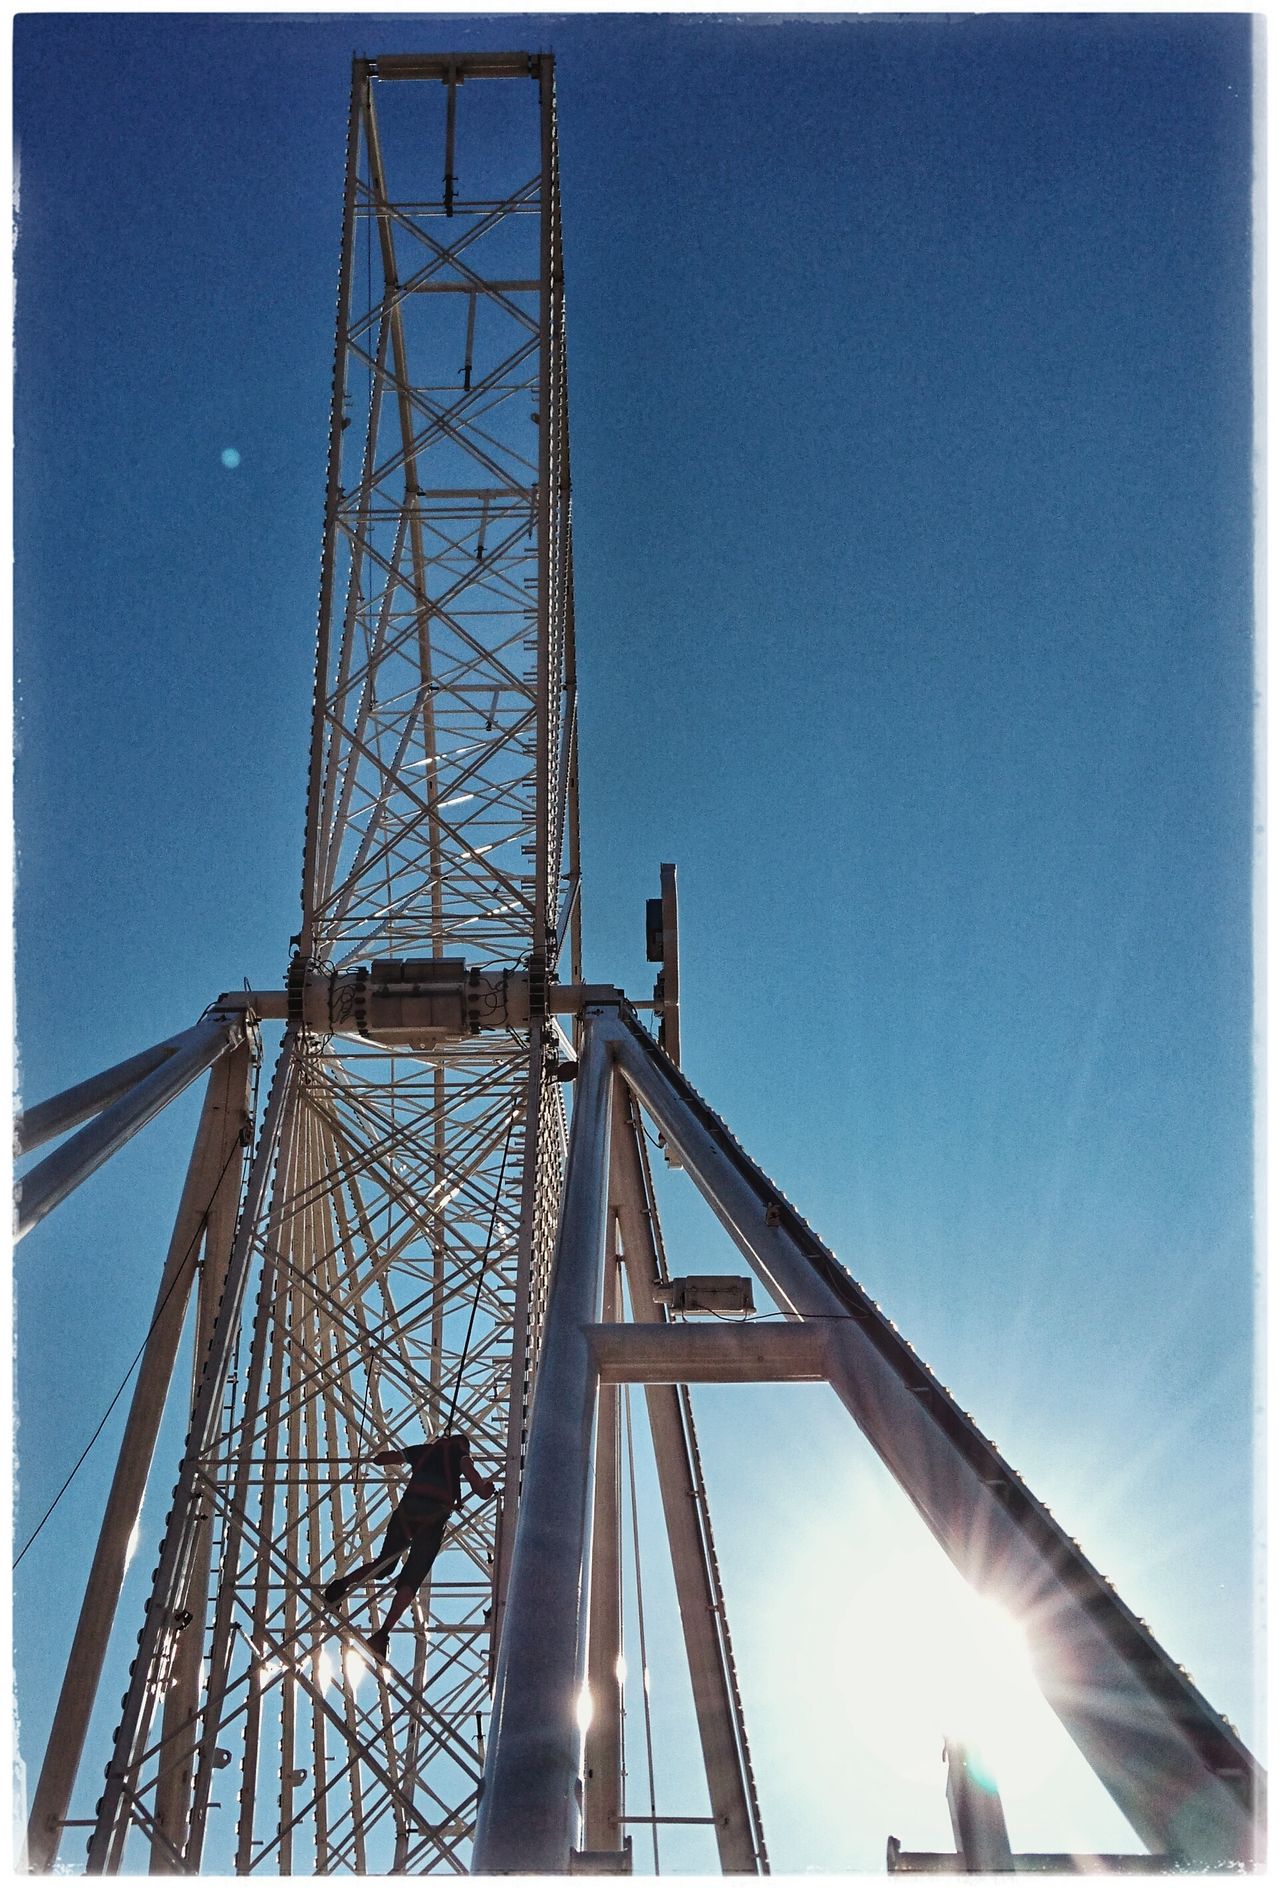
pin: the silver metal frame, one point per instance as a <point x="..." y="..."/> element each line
<point x="205" y="1219"/>
<point x="1175" y="1768"/>
<point x="121" y="1101"/>
<point x="704" y="1620"/>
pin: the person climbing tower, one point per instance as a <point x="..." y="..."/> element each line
<point x="417" y="1524"/>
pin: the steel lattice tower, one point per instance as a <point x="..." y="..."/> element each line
<point x="414" y="1236"/>
<point x="392" y="1254"/>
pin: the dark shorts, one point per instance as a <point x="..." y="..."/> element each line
<point x="421" y="1530"/>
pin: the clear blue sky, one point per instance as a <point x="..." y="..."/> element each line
<point x="911" y="426"/>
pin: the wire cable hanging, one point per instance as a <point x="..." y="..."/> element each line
<point x="237" y="1148"/>
<point x="644" y="1655"/>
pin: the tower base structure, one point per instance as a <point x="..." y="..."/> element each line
<point x="549" y="1802"/>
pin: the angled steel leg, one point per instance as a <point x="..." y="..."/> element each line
<point x="48" y="1119"/>
<point x="720" y="1727"/>
<point x="1175" y="1768"/>
<point x="59" y="1173"/>
<point x="213" y="1167"/>
<point x="175" y="1560"/>
<point x="230" y="1082"/>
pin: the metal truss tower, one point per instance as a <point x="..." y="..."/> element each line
<point x="415" y="1239"/>
<point x="391" y="1257"/>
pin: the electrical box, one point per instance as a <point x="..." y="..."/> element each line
<point x="653" y="929"/>
<point x="706" y="1297"/>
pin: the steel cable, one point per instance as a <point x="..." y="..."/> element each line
<point x="238" y="1148"/>
<point x="644" y="1655"/>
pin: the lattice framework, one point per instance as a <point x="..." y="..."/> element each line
<point x="396" y="1264"/>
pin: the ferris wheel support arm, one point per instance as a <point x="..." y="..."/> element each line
<point x="602" y="1755"/>
<point x="186" y="1057"/>
<point x="173" y="1566"/>
<point x="181" y="1702"/>
<point x="529" y="1812"/>
<point x="48" y="1119"/>
<point x="717" y="1705"/>
<point x="521" y="1359"/>
<point x="222" y="1120"/>
<point x="1174" y="1767"/>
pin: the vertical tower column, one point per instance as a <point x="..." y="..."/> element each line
<point x="530" y="1812"/>
<point x="602" y="1775"/>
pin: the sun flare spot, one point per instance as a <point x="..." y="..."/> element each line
<point x="935" y="1659"/>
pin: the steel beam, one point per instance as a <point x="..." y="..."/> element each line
<point x="602" y="1765"/>
<point x="314" y="838"/>
<point x="721" y="1731"/>
<point x="545" y="870"/>
<point x="229" y="1091"/>
<point x="710" y="1353"/>
<point x="902" y="1861"/>
<point x="475" y="65"/>
<point x="522" y="1347"/>
<point x="528" y="1817"/>
<point x="212" y="1163"/>
<point x="175" y="1559"/>
<point x="48" y="1119"/>
<point x="1177" y="1771"/>
<point x="977" y="1815"/>
<point x="39" y="1191"/>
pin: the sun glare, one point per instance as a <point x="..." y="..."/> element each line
<point x="876" y="1651"/>
<point x="938" y="1660"/>
<point x="984" y="1671"/>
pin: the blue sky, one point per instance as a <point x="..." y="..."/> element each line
<point x="911" y="409"/>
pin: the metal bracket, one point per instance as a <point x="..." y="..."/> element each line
<point x="601" y="1861"/>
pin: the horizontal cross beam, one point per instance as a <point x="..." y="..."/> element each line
<point x="714" y="1353"/>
